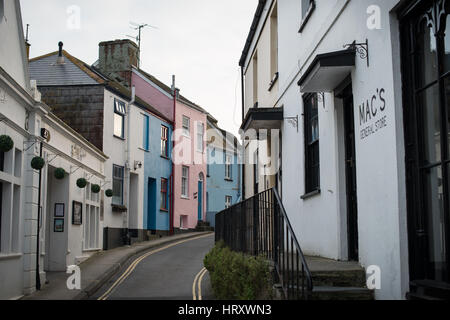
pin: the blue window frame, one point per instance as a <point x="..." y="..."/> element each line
<point x="146" y="132"/>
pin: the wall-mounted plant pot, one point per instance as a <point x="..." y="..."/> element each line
<point x="6" y="143"/>
<point x="109" y="193"/>
<point x="81" y="183"/>
<point x="37" y="163"/>
<point x="95" y="188"/>
<point x="60" y="173"/>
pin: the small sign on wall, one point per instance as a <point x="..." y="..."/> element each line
<point x="59" y="210"/>
<point x="59" y="225"/>
<point x="77" y="213"/>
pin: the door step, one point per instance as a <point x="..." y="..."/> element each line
<point x="342" y="293"/>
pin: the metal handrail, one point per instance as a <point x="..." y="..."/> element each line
<point x="260" y="226"/>
<point x="309" y="278"/>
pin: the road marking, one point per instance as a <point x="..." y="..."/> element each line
<point x="198" y="283"/>
<point x="136" y="262"/>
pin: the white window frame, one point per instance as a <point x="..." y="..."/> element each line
<point x="200" y="137"/>
<point x="228" y="167"/>
<point x="91" y="234"/>
<point x="119" y="111"/>
<point x="186" y="126"/>
<point x="228" y="201"/>
<point x="185" y="182"/>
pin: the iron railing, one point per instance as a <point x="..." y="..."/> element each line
<point x="260" y="226"/>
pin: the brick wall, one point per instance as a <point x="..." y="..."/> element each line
<point x="81" y="107"/>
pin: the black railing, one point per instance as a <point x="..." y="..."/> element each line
<point x="260" y="226"/>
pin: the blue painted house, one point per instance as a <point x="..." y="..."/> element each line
<point x="157" y="174"/>
<point x="223" y="173"/>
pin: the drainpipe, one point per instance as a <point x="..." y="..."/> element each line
<point x="128" y="163"/>
<point x="243" y="141"/>
<point x="38" y="255"/>
<point x="172" y="215"/>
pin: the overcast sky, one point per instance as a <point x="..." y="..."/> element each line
<point x="200" y="41"/>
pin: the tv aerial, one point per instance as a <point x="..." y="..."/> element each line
<point x="138" y="27"/>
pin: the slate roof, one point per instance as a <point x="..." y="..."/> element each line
<point x="44" y="70"/>
<point x="73" y="72"/>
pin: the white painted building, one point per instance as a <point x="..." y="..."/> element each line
<point x="366" y="167"/>
<point x="27" y="121"/>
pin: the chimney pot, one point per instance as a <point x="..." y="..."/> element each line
<point x="60" y="60"/>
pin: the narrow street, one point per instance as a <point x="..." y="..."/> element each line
<point x="168" y="273"/>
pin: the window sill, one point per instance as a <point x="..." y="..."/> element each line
<point x="119" y="208"/>
<point x="229" y="180"/>
<point x="185" y="198"/>
<point x="311" y="195"/>
<point x="307" y="16"/>
<point x="274" y="81"/>
<point x="145" y="150"/>
<point x="164" y="157"/>
<point x="164" y="210"/>
<point x="7" y="256"/>
<point x="92" y="250"/>
<point x="120" y="138"/>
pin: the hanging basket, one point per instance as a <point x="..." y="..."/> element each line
<point x="37" y="163"/>
<point x="81" y="183"/>
<point x="109" y="193"/>
<point x="60" y="173"/>
<point x="6" y="143"/>
<point x="95" y="188"/>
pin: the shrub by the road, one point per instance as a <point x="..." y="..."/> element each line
<point x="235" y="276"/>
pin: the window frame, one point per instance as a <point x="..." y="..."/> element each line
<point x="122" y="178"/>
<point x="306" y="15"/>
<point x="164" y="195"/>
<point x="146" y="133"/>
<point x="164" y="141"/>
<point x="121" y="113"/>
<point x="230" y="203"/>
<point x="312" y="168"/>
<point x="200" y="132"/>
<point x="228" y="167"/>
<point x="185" y="179"/>
<point x="186" y="131"/>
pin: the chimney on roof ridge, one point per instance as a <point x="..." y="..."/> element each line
<point x="60" y="60"/>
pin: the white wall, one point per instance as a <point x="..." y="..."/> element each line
<point x="320" y="221"/>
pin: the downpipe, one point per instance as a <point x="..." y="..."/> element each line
<point x="128" y="165"/>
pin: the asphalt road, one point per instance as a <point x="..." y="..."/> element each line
<point x="167" y="274"/>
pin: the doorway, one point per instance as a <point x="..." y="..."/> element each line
<point x="350" y="174"/>
<point x="151" y="205"/>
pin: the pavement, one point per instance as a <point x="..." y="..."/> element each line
<point x="97" y="271"/>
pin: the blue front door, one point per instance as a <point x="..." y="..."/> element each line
<point x="200" y="201"/>
<point x="152" y="204"/>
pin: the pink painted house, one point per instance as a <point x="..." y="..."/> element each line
<point x="189" y="153"/>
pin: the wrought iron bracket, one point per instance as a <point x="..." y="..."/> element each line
<point x="54" y="157"/>
<point x="362" y="49"/>
<point x="293" y="121"/>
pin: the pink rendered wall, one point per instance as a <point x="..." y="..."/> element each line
<point x="196" y="163"/>
<point x="153" y="96"/>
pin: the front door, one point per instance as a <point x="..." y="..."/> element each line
<point x="350" y="174"/>
<point x="200" y="201"/>
<point x="426" y="81"/>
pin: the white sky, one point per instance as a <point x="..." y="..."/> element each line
<point x="200" y="41"/>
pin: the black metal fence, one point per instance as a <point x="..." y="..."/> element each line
<point x="260" y="226"/>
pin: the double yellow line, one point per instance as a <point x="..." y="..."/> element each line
<point x="198" y="283"/>
<point x="136" y="262"/>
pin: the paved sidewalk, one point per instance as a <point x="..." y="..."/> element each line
<point x="97" y="270"/>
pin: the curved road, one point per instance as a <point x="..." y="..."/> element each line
<point x="166" y="273"/>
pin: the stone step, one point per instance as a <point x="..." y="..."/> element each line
<point x="325" y="293"/>
<point x="204" y="229"/>
<point x="350" y="278"/>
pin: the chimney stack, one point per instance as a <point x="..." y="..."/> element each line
<point x="117" y="59"/>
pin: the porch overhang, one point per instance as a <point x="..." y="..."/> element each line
<point x="263" y="118"/>
<point x="327" y="71"/>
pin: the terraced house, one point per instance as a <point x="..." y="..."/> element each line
<point x="127" y="129"/>
<point x="362" y="107"/>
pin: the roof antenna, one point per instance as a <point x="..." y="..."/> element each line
<point x="139" y="27"/>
